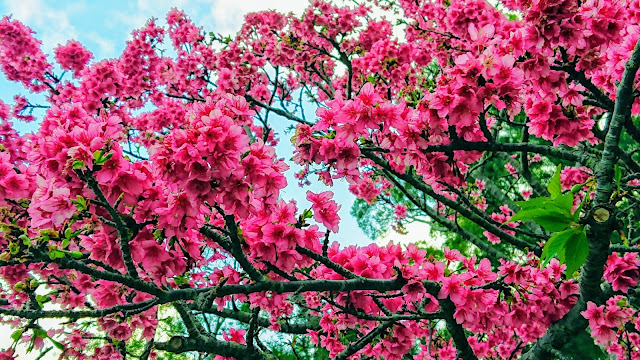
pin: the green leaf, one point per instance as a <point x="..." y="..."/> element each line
<point x="307" y="214"/>
<point x="552" y="218"/>
<point x="76" y="254"/>
<point x="65" y="243"/>
<point x="25" y="240"/>
<point x="555" y="246"/>
<point x="97" y="155"/>
<point x="55" y="254"/>
<point x="512" y="17"/>
<point x="576" y="251"/>
<point x="56" y="344"/>
<point x="562" y="202"/>
<point x="570" y="247"/>
<point x="532" y="203"/>
<point x="80" y="203"/>
<point x="40" y="333"/>
<point x="554" y="187"/>
<point x="78" y="164"/>
<point x="16" y="335"/>
<point x="100" y="158"/>
<point x="181" y="280"/>
<point x="41" y="299"/>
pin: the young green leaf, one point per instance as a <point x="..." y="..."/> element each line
<point x="576" y="251"/>
<point x="565" y="202"/>
<point x="534" y="202"/>
<point x="555" y="246"/>
<point x="16" y="335"/>
<point x="41" y="299"/>
<point x="80" y="203"/>
<point x="551" y="218"/>
<point x="57" y="344"/>
<point x="554" y="187"/>
<point x="78" y="164"/>
<point x="40" y="333"/>
<point x="562" y="202"/>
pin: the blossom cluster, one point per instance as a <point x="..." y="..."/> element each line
<point x="154" y="179"/>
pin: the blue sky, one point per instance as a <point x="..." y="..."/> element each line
<point x="104" y="26"/>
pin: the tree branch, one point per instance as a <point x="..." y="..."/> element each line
<point x="125" y="309"/>
<point x="313" y="322"/>
<point x="280" y="112"/>
<point x="450" y="225"/>
<point x="123" y="230"/>
<point x="420" y="185"/>
<point x="363" y="341"/>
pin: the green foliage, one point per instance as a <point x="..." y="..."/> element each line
<point x="374" y="219"/>
<point x="299" y="348"/>
<point x="554" y="213"/>
<point x="100" y="158"/>
<point x="576" y="250"/>
<point x="570" y="246"/>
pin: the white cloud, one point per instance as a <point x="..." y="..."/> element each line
<point x="52" y="24"/>
<point x="106" y="47"/>
<point x="143" y="10"/>
<point x="221" y="16"/>
<point x="228" y="15"/>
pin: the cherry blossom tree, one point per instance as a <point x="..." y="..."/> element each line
<point x="153" y="183"/>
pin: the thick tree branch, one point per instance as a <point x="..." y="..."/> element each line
<point x="457" y="332"/>
<point x="182" y="344"/>
<point x="583" y="158"/>
<point x="312" y="323"/>
<point x="125" y="309"/>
